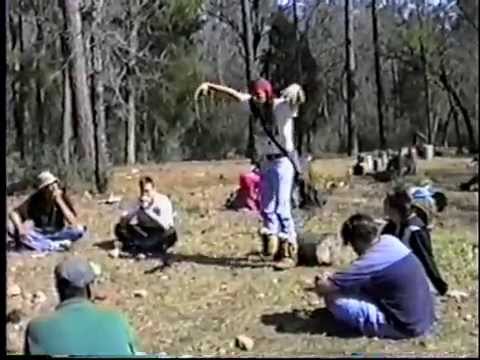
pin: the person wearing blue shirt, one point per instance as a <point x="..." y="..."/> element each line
<point x="385" y="292"/>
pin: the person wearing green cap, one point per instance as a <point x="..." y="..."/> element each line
<point x="77" y="326"/>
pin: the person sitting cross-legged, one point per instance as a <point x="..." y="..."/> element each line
<point x="46" y="220"/>
<point x="78" y="327"/>
<point x="385" y="292"/>
<point x="149" y="226"/>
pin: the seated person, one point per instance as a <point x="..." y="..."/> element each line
<point x="78" y="327"/>
<point x="385" y="292"/>
<point x="408" y="226"/>
<point x="248" y="194"/>
<point x="49" y="209"/>
<point x="149" y="226"/>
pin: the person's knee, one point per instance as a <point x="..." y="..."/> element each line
<point x="121" y="231"/>
<point x="11" y="229"/>
<point x="78" y="233"/>
<point x="171" y="238"/>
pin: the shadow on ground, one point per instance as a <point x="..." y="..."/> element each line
<point x="320" y="321"/>
<point x="231" y="262"/>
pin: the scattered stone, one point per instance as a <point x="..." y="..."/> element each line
<point x="243" y="342"/>
<point x="87" y="195"/>
<point x="13" y="290"/>
<point x="260" y="296"/>
<point x="39" y="297"/>
<point x="164" y="277"/>
<point x="458" y="295"/>
<point x="96" y="268"/>
<point x="468" y="317"/>
<point x="141" y="257"/>
<point x="426" y="344"/>
<point x="114" y="254"/>
<point x="140" y="293"/>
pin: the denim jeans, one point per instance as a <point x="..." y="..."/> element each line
<point x="362" y="315"/>
<point x="276" y="198"/>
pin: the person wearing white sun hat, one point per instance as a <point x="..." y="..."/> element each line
<point x="46" y="220"/>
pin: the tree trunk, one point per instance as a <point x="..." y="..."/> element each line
<point x="38" y="86"/>
<point x="457" y="125"/>
<point x="350" y="70"/>
<point x="131" y="93"/>
<point x="436" y="124"/>
<point x="443" y="78"/>
<point x="424" y="61"/>
<point x="444" y="140"/>
<point x="83" y="109"/>
<point x="98" y="101"/>
<point x="66" y="117"/>
<point x="378" y="77"/>
<point x="396" y="98"/>
<point x="250" y="73"/>
<point x="17" y="88"/>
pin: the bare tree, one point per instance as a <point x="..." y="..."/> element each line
<point x="98" y="99"/>
<point x="77" y="67"/>
<point x="378" y="76"/>
<point x="350" y="80"/>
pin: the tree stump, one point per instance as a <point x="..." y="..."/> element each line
<point x="318" y="249"/>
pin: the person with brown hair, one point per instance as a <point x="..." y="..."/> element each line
<point x="149" y="226"/>
<point x="408" y="226"/>
<point x="46" y="220"/>
<point x="385" y="292"/>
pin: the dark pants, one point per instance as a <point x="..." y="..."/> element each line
<point x="135" y="237"/>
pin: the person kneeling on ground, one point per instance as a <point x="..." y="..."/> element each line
<point x="385" y="292"/>
<point x="49" y="208"/>
<point x="78" y="327"/>
<point x="150" y="225"/>
<point x="408" y="226"/>
<point x="247" y="197"/>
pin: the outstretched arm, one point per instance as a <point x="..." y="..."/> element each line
<point x="233" y="94"/>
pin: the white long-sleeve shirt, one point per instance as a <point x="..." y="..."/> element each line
<point x="160" y="212"/>
<point x="283" y="116"/>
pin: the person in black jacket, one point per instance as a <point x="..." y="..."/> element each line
<point x="405" y="224"/>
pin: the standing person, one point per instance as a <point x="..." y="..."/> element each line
<point x="149" y="226"/>
<point x="78" y="327"/>
<point x="276" y="151"/>
<point x="414" y="233"/>
<point x="385" y="291"/>
<point x="46" y="220"/>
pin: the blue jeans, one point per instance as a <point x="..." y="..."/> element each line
<point x="41" y="240"/>
<point x="275" y="198"/>
<point x="362" y="315"/>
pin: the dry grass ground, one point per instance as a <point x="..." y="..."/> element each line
<point x="213" y="293"/>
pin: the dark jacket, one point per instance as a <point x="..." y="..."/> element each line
<point x="414" y="233"/>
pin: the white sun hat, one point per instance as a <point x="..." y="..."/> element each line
<point x="45" y="178"/>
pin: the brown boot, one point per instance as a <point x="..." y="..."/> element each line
<point x="269" y="245"/>
<point x="289" y="258"/>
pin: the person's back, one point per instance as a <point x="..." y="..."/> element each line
<point x="393" y="278"/>
<point x="78" y="327"/>
<point x="402" y="291"/>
